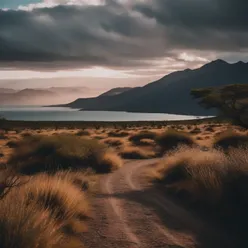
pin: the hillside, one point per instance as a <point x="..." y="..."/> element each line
<point x="41" y="96"/>
<point x="116" y="91"/>
<point x="171" y="94"/>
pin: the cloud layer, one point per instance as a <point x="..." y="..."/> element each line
<point x="121" y="34"/>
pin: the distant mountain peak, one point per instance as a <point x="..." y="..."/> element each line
<point x="215" y="64"/>
<point x="218" y="62"/>
<point x="240" y="63"/>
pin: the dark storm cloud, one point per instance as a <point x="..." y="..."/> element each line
<point x="215" y="25"/>
<point x="106" y="35"/>
<point x="115" y="35"/>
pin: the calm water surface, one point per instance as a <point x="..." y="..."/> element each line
<point x="34" y="113"/>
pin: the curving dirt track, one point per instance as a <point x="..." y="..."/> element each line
<point x="130" y="214"/>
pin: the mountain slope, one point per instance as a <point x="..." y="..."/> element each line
<point x="171" y="94"/>
<point x="41" y="96"/>
<point x="116" y="91"/>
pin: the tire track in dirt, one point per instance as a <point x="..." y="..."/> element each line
<point x="130" y="214"/>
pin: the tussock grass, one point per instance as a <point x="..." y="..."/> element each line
<point x="12" y="144"/>
<point x="64" y="201"/>
<point x="26" y="134"/>
<point x="115" y="142"/>
<point x="44" y="212"/>
<point x="24" y="226"/>
<point x="170" y="139"/>
<point x="110" y="162"/>
<point x="83" y="133"/>
<point x="229" y="138"/>
<point x="52" y="153"/>
<point x="212" y="180"/>
<point x="138" y="139"/>
<point x="196" y="131"/>
<point x="118" y="134"/>
<point x="84" y="181"/>
<point x="135" y="153"/>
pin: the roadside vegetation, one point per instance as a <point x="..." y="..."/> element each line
<point x="213" y="181"/>
<point x="45" y="189"/>
<point x="39" y="153"/>
<point x="51" y="171"/>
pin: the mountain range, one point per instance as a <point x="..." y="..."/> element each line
<point x="170" y="94"/>
<point x="43" y="96"/>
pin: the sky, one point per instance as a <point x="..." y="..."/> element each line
<point x="115" y="43"/>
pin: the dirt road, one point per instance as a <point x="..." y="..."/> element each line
<point x="129" y="213"/>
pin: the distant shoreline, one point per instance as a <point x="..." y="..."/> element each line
<point x="9" y="124"/>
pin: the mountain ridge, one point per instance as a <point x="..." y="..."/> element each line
<point x="171" y="93"/>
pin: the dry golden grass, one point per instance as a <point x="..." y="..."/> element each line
<point x="118" y="134"/>
<point x="24" y="226"/>
<point x="64" y="201"/>
<point x="171" y="138"/>
<point x="212" y="180"/>
<point x="198" y="173"/>
<point x="138" y="139"/>
<point x="136" y="153"/>
<point x="83" y="133"/>
<point x="62" y="152"/>
<point x="110" y="162"/>
<point x="43" y="212"/>
<point x="230" y="138"/>
<point x="114" y="142"/>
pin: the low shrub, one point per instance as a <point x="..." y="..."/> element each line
<point x="135" y="153"/>
<point x="83" y="133"/>
<point x="229" y="138"/>
<point x="64" y="201"/>
<point x="211" y="180"/>
<point x="42" y="212"/>
<point x="12" y="144"/>
<point x="138" y="139"/>
<point x="113" y="142"/>
<point x="52" y="153"/>
<point x="196" y="131"/>
<point x="26" y="134"/>
<point x="118" y="134"/>
<point x="170" y="139"/>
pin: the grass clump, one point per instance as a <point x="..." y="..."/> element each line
<point x="44" y="212"/>
<point x="115" y="142"/>
<point x="62" y="152"/>
<point x="12" y="144"/>
<point x="83" y="133"/>
<point x="170" y="139"/>
<point x="229" y="138"/>
<point x="118" y="134"/>
<point x="209" y="180"/>
<point x="25" y="227"/>
<point x="138" y="139"/>
<point x="64" y="201"/>
<point x="135" y="153"/>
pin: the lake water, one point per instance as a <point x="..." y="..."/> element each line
<point x="34" y="113"/>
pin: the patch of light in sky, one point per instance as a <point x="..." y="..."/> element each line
<point x="95" y="72"/>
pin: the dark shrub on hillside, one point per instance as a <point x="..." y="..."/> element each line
<point x="171" y="139"/>
<point x="136" y="139"/>
<point x="229" y="139"/>
<point x="52" y="153"/>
